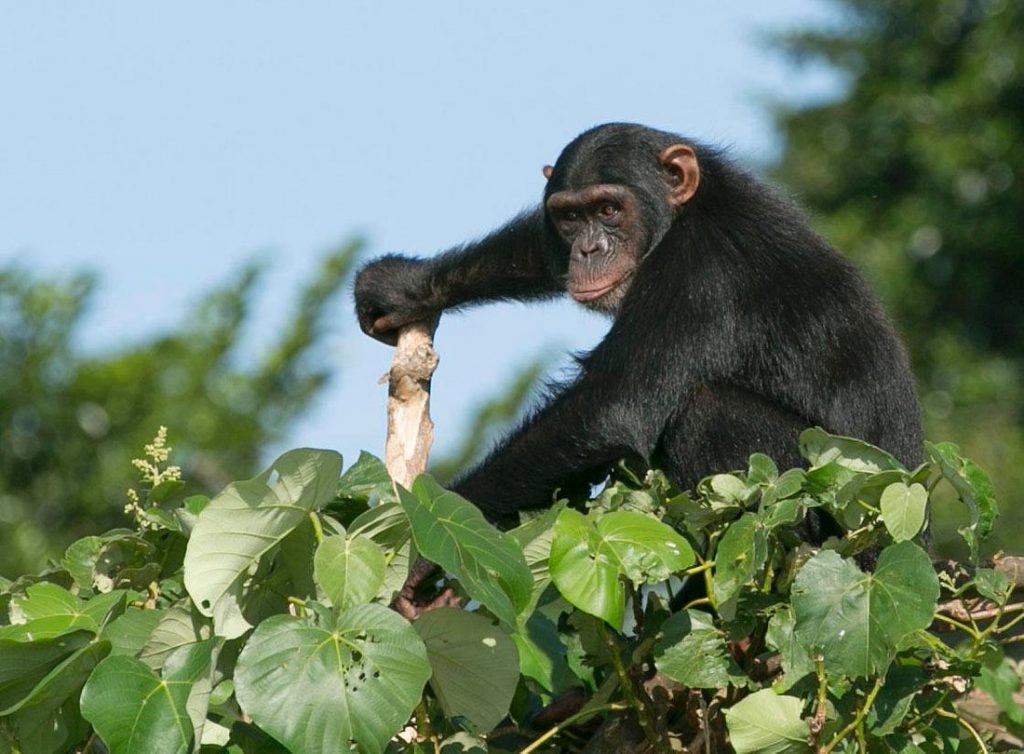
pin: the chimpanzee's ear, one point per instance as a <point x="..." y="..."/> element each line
<point x="547" y="170"/>
<point x="684" y="172"/>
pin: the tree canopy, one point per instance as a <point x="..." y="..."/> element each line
<point x="915" y="171"/>
<point x="71" y="422"/>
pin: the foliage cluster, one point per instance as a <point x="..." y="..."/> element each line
<point x="258" y="620"/>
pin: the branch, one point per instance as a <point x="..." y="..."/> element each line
<point x="410" y="430"/>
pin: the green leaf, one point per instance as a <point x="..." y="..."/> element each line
<point x="993" y="585"/>
<point x="762" y="469"/>
<point x="974" y="488"/>
<point x="48" y="719"/>
<point x="350" y="570"/>
<point x="25" y="664"/>
<point x="693" y="652"/>
<point x="451" y="531"/>
<point x="786" y="486"/>
<point x="821" y="449"/>
<point x="648" y="551"/>
<point x="323" y="689"/>
<point x="894" y="700"/>
<point x="244" y="522"/>
<point x="128" y="633"/>
<point x="796" y="659"/>
<point x="783" y="513"/>
<point x="535" y="537"/>
<point x="1002" y="682"/>
<point x="47" y="610"/>
<point x="725" y="489"/>
<point x="197" y="663"/>
<point x="135" y="711"/>
<point x="368" y="481"/>
<point x="587" y="559"/>
<point x="903" y="510"/>
<point x="740" y="557"/>
<point x="857" y="620"/>
<point x="541" y="652"/>
<point x="179" y="626"/>
<point x="475" y="664"/>
<point x="586" y="577"/>
<point x="766" y="723"/>
<point x="80" y="557"/>
<point x="165" y="490"/>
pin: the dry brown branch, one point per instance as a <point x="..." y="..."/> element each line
<point x="410" y="430"/>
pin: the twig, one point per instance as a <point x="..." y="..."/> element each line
<point x="410" y="430"/>
<point x="613" y="707"/>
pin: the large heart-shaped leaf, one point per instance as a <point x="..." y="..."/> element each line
<point x="133" y="710"/>
<point x="241" y="524"/>
<point x="855" y="620"/>
<point x="325" y="688"/>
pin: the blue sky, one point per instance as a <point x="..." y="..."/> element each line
<point x="163" y="145"/>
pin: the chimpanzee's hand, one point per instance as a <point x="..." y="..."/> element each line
<point x="411" y="603"/>
<point x="391" y="292"/>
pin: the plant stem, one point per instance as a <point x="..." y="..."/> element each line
<point x="318" y="528"/>
<point x="965" y="725"/>
<point x="957" y="624"/>
<point x="858" y="718"/>
<point x="821" y="706"/>
<point x="643" y="716"/>
<point x="423" y="726"/>
<point x="572" y="720"/>
<point x="705" y="566"/>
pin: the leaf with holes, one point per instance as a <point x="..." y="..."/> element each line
<point x="324" y="688"/>
<point x="244" y="522"/>
<point x="974" y="488"/>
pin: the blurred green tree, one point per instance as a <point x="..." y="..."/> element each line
<point x="70" y="424"/>
<point x="917" y="172"/>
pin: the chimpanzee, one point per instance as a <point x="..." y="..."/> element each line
<point x="735" y="325"/>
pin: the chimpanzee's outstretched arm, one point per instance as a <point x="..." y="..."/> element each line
<point x="513" y="262"/>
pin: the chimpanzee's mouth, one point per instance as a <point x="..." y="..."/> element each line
<point x="592" y="294"/>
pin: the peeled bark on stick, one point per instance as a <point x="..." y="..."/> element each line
<point x="410" y="430"/>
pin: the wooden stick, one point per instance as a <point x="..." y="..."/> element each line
<point x="410" y="430"/>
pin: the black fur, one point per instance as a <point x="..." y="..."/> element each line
<point x="741" y="327"/>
